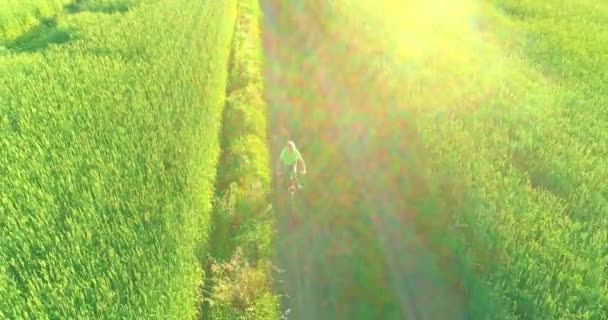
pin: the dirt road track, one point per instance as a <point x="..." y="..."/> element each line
<point x="355" y="253"/>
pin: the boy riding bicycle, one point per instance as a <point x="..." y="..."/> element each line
<point x="289" y="158"/>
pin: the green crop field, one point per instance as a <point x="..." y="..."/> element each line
<point x="457" y="153"/>
<point x="109" y="143"/>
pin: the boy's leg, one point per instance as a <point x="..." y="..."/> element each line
<point x="289" y="172"/>
<point x="295" y="175"/>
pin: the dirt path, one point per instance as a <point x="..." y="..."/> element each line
<point x="357" y="251"/>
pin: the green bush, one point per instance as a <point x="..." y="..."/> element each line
<point x="246" y="60"/>
<point x="241" y="290"/>
<point x="246" y="114"/>
<point x="248" y="159"/>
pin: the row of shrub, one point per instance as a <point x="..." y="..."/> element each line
<point x="243" y="221"/>
<point x="17" y="17"/>
<point x="109" y="150"/>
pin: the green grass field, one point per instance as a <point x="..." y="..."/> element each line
<point x="457" y="153"/>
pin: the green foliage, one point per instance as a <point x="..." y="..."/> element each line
<point x="247" y="157"/>
<point x="109" y="151"/>
<point x="246" y="60"/>
<point x="241" y="290"/>
<point x="246" y="114"/>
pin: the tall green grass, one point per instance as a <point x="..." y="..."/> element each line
<point x="574" y="169"/>
<point x="564" y="157"/>
<point x="109" y="151"/>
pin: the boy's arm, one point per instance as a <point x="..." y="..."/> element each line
<point x="303" y="164"/>
<point x="278" y="168"/>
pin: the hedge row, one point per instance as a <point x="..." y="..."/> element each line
<point x="243" y="224"/>
<point x="17" y="16"/>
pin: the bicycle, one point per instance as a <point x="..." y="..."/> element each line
<point x="291" y="182"/>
